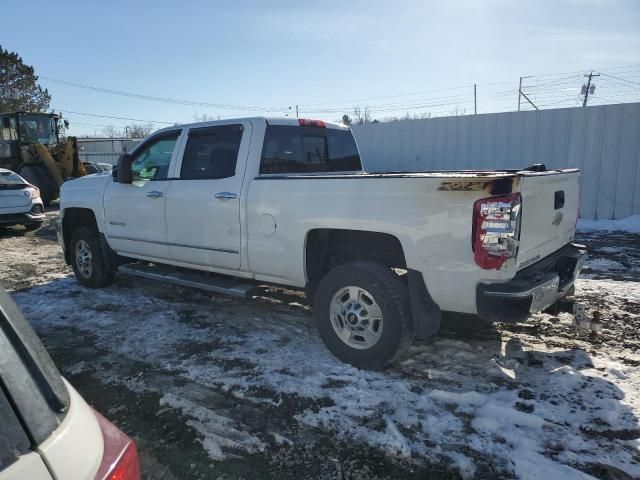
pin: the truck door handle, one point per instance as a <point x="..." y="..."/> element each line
<point x="155" y="194"/>
<point x="226" y="195"/>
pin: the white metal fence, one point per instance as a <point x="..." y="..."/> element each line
<point x="603" y="141"/>
<point x="104" y="150"/>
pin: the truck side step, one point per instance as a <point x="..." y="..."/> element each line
<point x="203" y="281"/>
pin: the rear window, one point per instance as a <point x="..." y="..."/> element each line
<point x="293" y="149"/>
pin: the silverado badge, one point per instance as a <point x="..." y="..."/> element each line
<point x="557" y="219"/>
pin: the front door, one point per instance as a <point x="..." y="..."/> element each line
<point x="135" y="213"/>
<point x="203" y="204"/>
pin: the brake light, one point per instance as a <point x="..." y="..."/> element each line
<point x="120" y="457"/>
<point x="304" y="122"/>
<point x="496" y="230"/>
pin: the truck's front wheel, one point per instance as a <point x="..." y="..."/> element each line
<point x="362" y="313"/>
<point x="87" y="259"/>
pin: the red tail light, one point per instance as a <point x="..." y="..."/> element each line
<point x="303" y="122"/>
<point x="120" y="457"/>
<point x="496" y="229"/>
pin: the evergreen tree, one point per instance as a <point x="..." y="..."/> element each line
<point x="19" y="89"/>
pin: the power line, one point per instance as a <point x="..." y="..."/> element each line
<point x="618" y="78"/>
<point x="547" y="92"/>
<point x="115" y="118"/>
<point x="335" y="102"/>
<point x="161" y="99"/>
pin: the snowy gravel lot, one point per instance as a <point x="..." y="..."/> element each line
<point x="213" y="387"/>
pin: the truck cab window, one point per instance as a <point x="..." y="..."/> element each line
<point x="292" y="149"/>
<point x="153" y="160"/>
<point x="8" y="130"/>
<point x="211" y="152"/>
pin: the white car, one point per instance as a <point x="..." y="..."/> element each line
<point x="287" y="201"/>
<point x="20" y="202"/>
<point x="48" y="432"/>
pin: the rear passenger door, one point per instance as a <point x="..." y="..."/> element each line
<point x="203" y="202"/>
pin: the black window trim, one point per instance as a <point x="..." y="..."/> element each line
<point x="203" y="130"/>
<point x="309" y="131"/>
<point x="156" y="137"/>
<point x="14" y="439"/>
<point x="28" y="375"/>
<point x="153" y="138"/>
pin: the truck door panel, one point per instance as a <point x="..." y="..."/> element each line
<point x="203" y="202"/>
<point x="135" y="213"/>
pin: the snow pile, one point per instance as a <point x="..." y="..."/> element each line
<point x="629" y="224"/>
<point x="218" y="432"/>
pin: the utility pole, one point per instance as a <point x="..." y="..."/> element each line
<point x="588" y="89"/>
<point x="519" y="92"/>
<point x="475" y="100"/>
<point x="297" y="112"/>
<point x="522" y="94"/>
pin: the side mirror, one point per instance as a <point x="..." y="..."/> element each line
<point x="122" y="173"/>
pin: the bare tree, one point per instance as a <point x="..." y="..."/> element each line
<point x="111" y="132"/>
<point x="408" y="116"/>
<point x="361" y="116"/>
<point x="203" y="117"/>
<point x="458" y="111"/>
<point x="138" y="131"/>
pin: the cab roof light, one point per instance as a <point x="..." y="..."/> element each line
<point x="305" y="122"/>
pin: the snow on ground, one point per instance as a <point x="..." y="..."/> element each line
<point x="252" y="378"/>
<point x="450" y="399"/>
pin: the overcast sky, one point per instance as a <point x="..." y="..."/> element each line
<point x="279" y="54"/>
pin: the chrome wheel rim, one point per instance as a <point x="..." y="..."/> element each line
<point x="84" y="259"/>
<point x="356" y="317"/>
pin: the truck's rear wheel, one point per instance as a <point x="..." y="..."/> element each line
<point x="362" y="313"/>
<point x="87" y="259"/>
<point x="39" y="176"/>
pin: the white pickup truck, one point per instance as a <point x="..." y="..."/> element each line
<point x="229" y="204"/>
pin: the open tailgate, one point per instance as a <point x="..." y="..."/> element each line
<point x="549" y="213"/>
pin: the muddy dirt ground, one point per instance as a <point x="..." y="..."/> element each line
<point x="213" y="387"/>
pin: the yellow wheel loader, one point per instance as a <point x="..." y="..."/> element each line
<point x="34" y="146"/>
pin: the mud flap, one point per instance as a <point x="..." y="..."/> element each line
<point x="425" y="313"/>
<point x="111" y="259"/>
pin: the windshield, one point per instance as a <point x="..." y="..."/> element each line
<point x="9" y="179"/>
<point x="37" y="128"/>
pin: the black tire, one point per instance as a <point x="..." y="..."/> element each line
<point x="33" y="226"/>
<point x="39" y="176"/>
<point x="97" y="276"/>
<point x="392" y="296"/>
